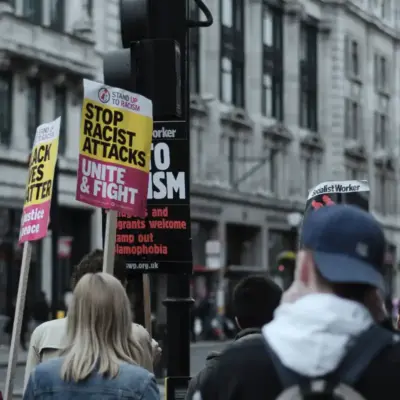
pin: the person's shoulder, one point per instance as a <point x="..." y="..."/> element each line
<point x="382" y="373"/>
<point x="126" y="370"/>
<point x="243" y="367"/>
<point x="140" y="331"/>
<point x="389" y="358"/>
<point x="50" y="329"/>
<point x="134" y="377"/>
<point x="242" y="357"/>
<point x="47" y="371"/>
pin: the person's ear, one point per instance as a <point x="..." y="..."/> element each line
<point x="237" y="323"/>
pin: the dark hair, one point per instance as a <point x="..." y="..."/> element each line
<point x="255" y="299"/>
<point x="349" y="291"/>
<point x="92" y="263"/>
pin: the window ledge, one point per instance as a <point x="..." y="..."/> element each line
<point x="198" y="105"/>
<point x="295" y="9"/>
<point x="354" y="148"/>
<point x="278" y="131"/>
<point x="237" y="118"/>
<point x="311" y="139"/>
<point x="384" y="157"/>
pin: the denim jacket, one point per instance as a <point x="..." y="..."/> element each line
<point x="132" y="382"/>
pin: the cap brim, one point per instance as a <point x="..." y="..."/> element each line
<point x="341" y="268"/>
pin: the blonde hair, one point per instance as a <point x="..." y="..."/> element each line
<point x="99" y="329"/>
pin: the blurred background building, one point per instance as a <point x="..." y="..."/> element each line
<point x="285" y="94"/>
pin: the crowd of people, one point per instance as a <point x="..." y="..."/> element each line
<point x="328" y="336"/>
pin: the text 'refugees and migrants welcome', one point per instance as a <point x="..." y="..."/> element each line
<point x="115" y="146"/>
<point x="161" y="242"/>
<point x="42" y="163"/>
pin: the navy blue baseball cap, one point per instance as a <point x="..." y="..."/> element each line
<point x="348" y="245"/>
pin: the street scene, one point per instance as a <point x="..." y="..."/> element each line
<point x="176" y="177"/>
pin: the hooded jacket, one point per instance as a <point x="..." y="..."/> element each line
<point x="212" y="359"/>
<point x="310" y="337"/>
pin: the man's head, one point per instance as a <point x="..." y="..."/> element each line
<point x="93" y="263"/>
<point x="343" y="252"/>
<point x="255" y="299"/>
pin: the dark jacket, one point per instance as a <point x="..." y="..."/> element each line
<point x="212" y="360"/>
<point x="246" y="372"/>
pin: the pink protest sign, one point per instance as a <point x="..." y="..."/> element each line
<point x="42" y="163"/>
<point x="114" y="150"/>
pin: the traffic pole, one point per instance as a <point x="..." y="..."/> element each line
<point x="55" y="234"/>
<point x="154" y="62"/>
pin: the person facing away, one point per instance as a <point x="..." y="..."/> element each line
<point x="255" y="299"/>
<point x="101" y="357"/>
<point x="333" y="300"/>
<point x="48" y="339"/>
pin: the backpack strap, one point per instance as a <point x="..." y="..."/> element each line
<point x="365" y="348"/>
<point x="286" y="376"/>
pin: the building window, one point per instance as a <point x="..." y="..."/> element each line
<point x="356" y="168"/>
<point x="194" y="46"/>
<point x="311" y="160"/>
<point x="385" y="193"/>
<point x="57" y="14"/>
<point x="34" y="97"/>
<point x="232" y="159"/>
<point x="89" y="7"/>
<point x="352" y="58"/>
<point x="384" y="8"/>
<point x="308" y="77"/>
<point x="380" y="73"/>
<point x="352" y="110"/>
<point x="197" y="150"/>
<point x="274" y="171"/>
<point x="60" y="97"/>
<point x="381" y="122"/>
<point x="32" y="10"/>
<point x="232" y="77"/>
<point x="5" y="108"/>
<point x="308" y="173"/>
<point x="272" y="68"/>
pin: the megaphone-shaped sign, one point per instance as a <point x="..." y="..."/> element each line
<point x="328" y="193"/>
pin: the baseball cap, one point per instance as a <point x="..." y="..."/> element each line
<point x="348" y="245"/>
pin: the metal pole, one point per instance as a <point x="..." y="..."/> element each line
<point x="55" y="233"/>
<point x="179" y="300"/>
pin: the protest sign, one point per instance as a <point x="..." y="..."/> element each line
<point x="337" y="192"/>
<point x="42" y="162"/>
<point x="34" y="224"/>
<point x="162" y="241"/>
<point x="114" y="155"/>
<point x="114" y="149"/>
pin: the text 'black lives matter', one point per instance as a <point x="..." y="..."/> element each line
<point x="162" y="241"/>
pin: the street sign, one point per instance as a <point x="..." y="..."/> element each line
<point x="161" y="242"/>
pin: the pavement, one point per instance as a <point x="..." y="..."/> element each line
<point x="198" y="354"/>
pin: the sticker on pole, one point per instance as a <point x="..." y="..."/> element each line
<point x="42" y="163"/>
<point x="114" y="149"/>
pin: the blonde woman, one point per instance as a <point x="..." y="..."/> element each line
<point x="101" y="359"/>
